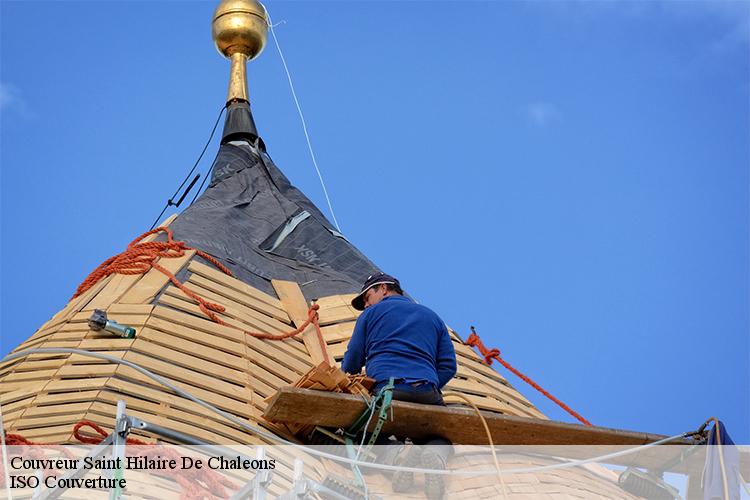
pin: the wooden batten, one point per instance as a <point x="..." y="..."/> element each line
<point x="296" y="306"/>
<point x="459" y="424"/>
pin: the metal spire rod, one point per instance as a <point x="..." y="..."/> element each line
<point x="239" y="30"/>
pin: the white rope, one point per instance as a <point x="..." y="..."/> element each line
<point x="272" y="437"/>
<point x="301" y="116"/>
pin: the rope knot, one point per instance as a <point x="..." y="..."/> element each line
<point x="312" y="314"/>
<point x="473" y="340"/>
<point x="490" y="355"/>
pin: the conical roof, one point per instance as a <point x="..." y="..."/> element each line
<point x="256" y="222"/>
<point x="282" y="253"/>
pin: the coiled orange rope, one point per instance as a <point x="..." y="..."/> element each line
<point x="20" y="446"/>
<point x="494" y="354"/>
<point x="139" y="257"/>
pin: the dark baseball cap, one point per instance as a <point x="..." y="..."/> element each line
<point x="358" y="302"/>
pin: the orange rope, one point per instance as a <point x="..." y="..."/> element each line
<point x="92" y="440"/>
<point x="140" y="257"/>
<point x="199" y="484"/>
<point x="36" y="450"/>
<point x="494" y="354"/>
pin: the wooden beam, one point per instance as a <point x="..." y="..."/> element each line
<point x="296" y="306"/>
<point x="459" y="424"/>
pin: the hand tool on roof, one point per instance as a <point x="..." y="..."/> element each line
<point x="98" y="321"/>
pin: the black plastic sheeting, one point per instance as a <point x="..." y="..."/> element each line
<point x="261" y="227"/>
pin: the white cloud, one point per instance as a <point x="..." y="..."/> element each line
<point x="543" y="114"/>
<point x="12" y="99"/>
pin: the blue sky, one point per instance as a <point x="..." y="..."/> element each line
<point x="570" y="177"/>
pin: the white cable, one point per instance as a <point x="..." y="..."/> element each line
<point x="272" y="437"/>
<point x="302" y="117"/>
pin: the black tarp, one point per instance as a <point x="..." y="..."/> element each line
<point x="261" y="227"/>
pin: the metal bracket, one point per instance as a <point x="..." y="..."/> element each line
<point x="256" y="489"/>
<point x="304" y="488"/>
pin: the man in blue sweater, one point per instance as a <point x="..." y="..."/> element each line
<point x="396" y="337"/>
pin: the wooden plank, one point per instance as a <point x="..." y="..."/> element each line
<point x="118" y="285"/>
<point x="12" y="396"/>
<point x="259" y="306"/>
<point x="252" y="383"/>
<point x="480" y="389"/>
<point x="116" y="387"/>
<point x="187" y="376"/>
<point x="25" y="376"/>
<point x="57" y="409"/>
<point x="32" y="365"/>
<point x="67" y="397"/>
<point x="55" y="386"/>
<point x="225" y="403"/>
<point x="26" y="422"/>
<point x="337" y="314"/>
<point x="201" y="346"/>
<point x="9" y="408"/>
<point x="82" y="371"/>
<point x="481" y="368"/>
<point x="82" y="359"/>
<point x="272" y="349"/>
<point x="337" y="350"/>
<point x="192" y="425"/>
<point x="77" y="336"/>
<point x="251" y="318"/>
<point x="338" y="332"/>
<point x="139" y="309"/>
<point x="460" y="425"/>
<point x="202" y="331"/>
<point x="79" y="303"/>
<point x="30" y="344"/>
<point x="488" y="387"/>
<point x="336" y="300"/>
<point x="81" y="328"/>
<point x="296" y="306"/>
<point x="232" y="316"/>
<point x="220" y="277"/>
<point x="43" y="356"/>
<point x="107" y="344"/>
<point x="490" y="403"/>
<point x="275" y="350"/>
<point x="143" y="397"/>
<point x="193" y="342"/>
<point x="54" y="434"/>
<point x="154" y="280"/>
<point x="44" y="332"/>
<point x="20" y="386"/>
<point x="172" y="355"/>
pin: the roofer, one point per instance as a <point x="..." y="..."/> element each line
<point x="397" y="338"/>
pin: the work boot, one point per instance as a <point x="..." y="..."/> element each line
<point x="434" y="487"/>
<point x="408" y="456"/>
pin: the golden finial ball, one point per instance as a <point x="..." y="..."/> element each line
<point x="240" y="26"/>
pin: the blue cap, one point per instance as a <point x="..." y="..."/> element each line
<point x="358" y="302"/>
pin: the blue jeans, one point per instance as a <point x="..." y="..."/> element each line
<point x="425" y="393"/>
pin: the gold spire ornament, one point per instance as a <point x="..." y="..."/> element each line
<point x="239" y="30"/>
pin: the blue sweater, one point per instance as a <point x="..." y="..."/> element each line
<point x="402" y="339"/>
